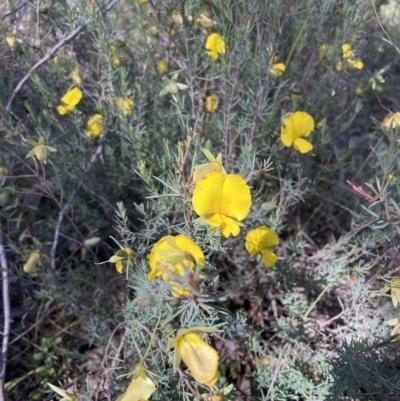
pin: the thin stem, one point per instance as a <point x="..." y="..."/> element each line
<point x="6" y="309"/>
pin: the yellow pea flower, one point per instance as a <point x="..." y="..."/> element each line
<point x="125" y="104"/>
<point x="347" y="56"/>
<point x="139" y="389"/>
<point x="258" y="240"/>
<point x="395" y="291"/>
<point x="116" y="61"/>
<point x="31" y="265"/>
<point x="75" y="76"/>
<point x="11" y="41"/>
<point x="211" y="103"/>
<point x="204" y="20"/>
<point x="222" y="201"/>
<point x="215" y="45"/>
<point x="177" y="17"/>
<point x="392" y="120"/>
<point x="199" y="357"/>
<point x="174" y="256"/>
<point x="70" y="100"/>
<point x="299" y="124"/>
<point x="40" y="150"/>
<point x="163" y="66"/>
<point x="277" y="69"/>
<point x="95" y="126"/>
<point x="215" y="164"/>
<point x="142" y="1"/>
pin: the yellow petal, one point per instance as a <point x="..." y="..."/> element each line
<point x="269" y="258"/>
<point x="72" y="97"/>
<point x="392" y="120"/>
<point x="31" y="264"/>
<point x="211" y="103"/>
<point x="302" y="145"/>
<point x="356" y="64"/>
<point x="119" y="266"/>
<point x="199" y="357"/>
<point x="139" y="389"/>
<point x="163" y="66"/>
<point x="229" y="227"/>
<point x="95" y="125"/>
<point x="215" y="45"/>
<point x="227" y="195"/>
<point x="62" y="110"/>
<point x="203" y="169"/>
<point x="174" y="254"/>
<point x="260" y="238"/>
<point x="41" y="153"/>
<point x="347" y="52"/>
<point x="204" y="20"/>
<point x="11" y="41"/>
<point x="277" y="69"/>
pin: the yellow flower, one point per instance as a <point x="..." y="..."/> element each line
<point x="125" y="104"/>
<point x="298" y="124"/>
<point x="392" y="120"/>
<point x="395" y="291"/>
<point x="277" y="69"/>
<point x="204" y="20"/>
<point x="58" y="61"/>
<point x="119" y="266"/>
<point x="75" y="75"/>
<point x="215" y="164"/>
<point x="199" y="357"/>
<point x="40" y="150"/>
<point x="259" y="240"/>
<point x="163" y="66"/>
<point x="142" y="1"/>
<point x="153" y="30"/>
<point x="177" y="17"/>
<point x="222" y="201"/>
<point x="70" y="100"/>
<point x="215" y="45"/>
<point x="211" y="103"/>
<point x="116" y="61"/>
<point x="11" y="41"/>
<point x="347" y="56"/>
<point x="175" y="255"/>
<point x="322" y="51"/>
<point x="31" y="264"/>
<point x="139" y="389"/>
<point x="95" y="126"/>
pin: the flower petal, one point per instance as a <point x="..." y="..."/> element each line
<point x="199" y="357"/>
<point x="269" y="258"/>
<point x="259" y="239"/>
<point x="302" y="145"/>
<point x="236" y="197"/>
<point x="139" y="389"/>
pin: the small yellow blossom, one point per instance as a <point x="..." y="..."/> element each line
<point x="142" y="1"/>
<point x="199" y="357"/>
<point x="347" y="56"/>
<point x="177" y="17"/>
<point x="211" y="103"/>
<point x="258" y="240"/>
<point x="95" y="126"/>
<point x="222" y="201"/>
<point x="299" y="124"/>
<point x="390" y="177"/>
<point x="31" y="265"/>
<point x="215" y="164"/>
<point x="140" y="389"/>
<point x="322" y="51"/>
<point x="163" y="66"/>
<point x="395" y="291"/>
<point x="75" y="76"/>
<point x="153" y="30"/>
<point x="215" y="45"/>
<point x="119" y="266"/>
<point x="70" y="100"/>
<point x="58" y="61"/>
<point x="11" y="41"/>
<point x="40" y="150"/>
<point x="174" y="256"/>
<point x="392" y="120"/>
<point x="204" y="20"/>
<point x="116" y="61"/>
<point x="125" y="104"/>
<point x="277" y="69"/>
